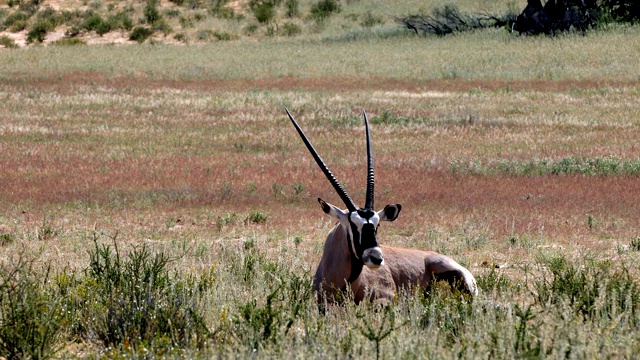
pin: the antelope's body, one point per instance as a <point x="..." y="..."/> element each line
<point x="403" y="269"/>
<point x="352" y="256"/>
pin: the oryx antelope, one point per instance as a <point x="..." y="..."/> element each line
<point x="352" y="256"/>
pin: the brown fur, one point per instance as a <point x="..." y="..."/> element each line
<point x="403" y="268"/>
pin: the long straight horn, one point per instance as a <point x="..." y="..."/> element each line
<point x="332" y="179"/>
<point x="370" y="178"/>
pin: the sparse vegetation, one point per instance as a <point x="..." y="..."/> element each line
<point x="520" y="163"/>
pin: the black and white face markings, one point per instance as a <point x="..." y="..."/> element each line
<point x="362" y="234"/>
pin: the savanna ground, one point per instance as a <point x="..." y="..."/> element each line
<point x="516" y="156"/>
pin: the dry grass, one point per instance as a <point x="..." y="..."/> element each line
<point x="179" y="158"/>
<point x="75" y="156"/>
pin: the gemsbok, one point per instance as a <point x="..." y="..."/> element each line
<point x="353" y="258"/>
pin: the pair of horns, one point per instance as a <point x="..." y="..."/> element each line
<point x="332" y="179"/>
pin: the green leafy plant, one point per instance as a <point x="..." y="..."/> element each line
<point x="136" y="302"/>
<point x="151" y="13"/>
<point x="264" y="10"/>
<point x="7" y="238"/>
<point x="257" y="217"/>
<point x="140" y="34"/>
<point x="323" y="9"/>
<point x="30" y="313"/>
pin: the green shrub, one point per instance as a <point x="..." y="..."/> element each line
<point x="120" y="21"/>
<point x="182" y="37"/>
<point x="224" y="36"/>
<point x="186" y="22"/>
<point x="29" y="7"/>
<point x="39" y="31"/>
<point x="259" y="322"/>
<point x="592" y="291"/>
<point x="96" y="5"/>
<point x="162" y="26"/>
<point x="140" y="34"/>
<point x="8" y="43"/>
<point x="16" y="22"/>
<point x="251" y="29"/>
<point x="30" y="314"/>
<point x="50" y="15"/>
<point x="257" y="217"/>
<point x="290" y="29"/>
<point x="134" y="301"/>
<point x="219" y="10"/>
<point x="93" y="22"/>
<point x="292" y="8"/>
<point x="264" y="10"/>
<point x="172" y="13"/>
<point x="204" y="34"/>
<point x="151" y="13"/>
<point x="324" y="9"/>
<point x="73" y="31"/>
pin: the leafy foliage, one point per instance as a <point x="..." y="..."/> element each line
<point x="323" y="9"/>
<point x="30" y="312"/>
<point x="140" y="34"/>
<point x="135" y="301"/>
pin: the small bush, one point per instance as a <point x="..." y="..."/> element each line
<point x="204" y="34"/>
<point x="264" y="10"/>
<point x="93" y="22"/>
<point x="50" y="15"/>
<point x="219" y="10"/>
<point x="16" y="22"/>
<point x="224" y="36"/>
<point x="186" y="22"/>
<point x="290" y="29"/>
<point x="257" y="217"/>
<point x="8" y="43"/>
<point x="120" y="21"/>
<point x="39" y="31"/>
<point x="292" y="8"/>
<point x="30" y="315"/>
<point x="162" y="26"/>
<point x="323" y="9"/>
<point x="151" y="13"/>
<point x="585" y="291"/>
<point x="172" y="13"/>
<point x="182" y="37"/>
<point x="140" y="34"/>
<point x="251" y="29"/>
<point x="135" y="302"/>
<point x="73" y="31"/>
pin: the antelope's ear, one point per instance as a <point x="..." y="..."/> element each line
<point x="333" y="211"/>
<point x="390" y="212"/>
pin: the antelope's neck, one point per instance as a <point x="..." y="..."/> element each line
<point x="354" y="265"/>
